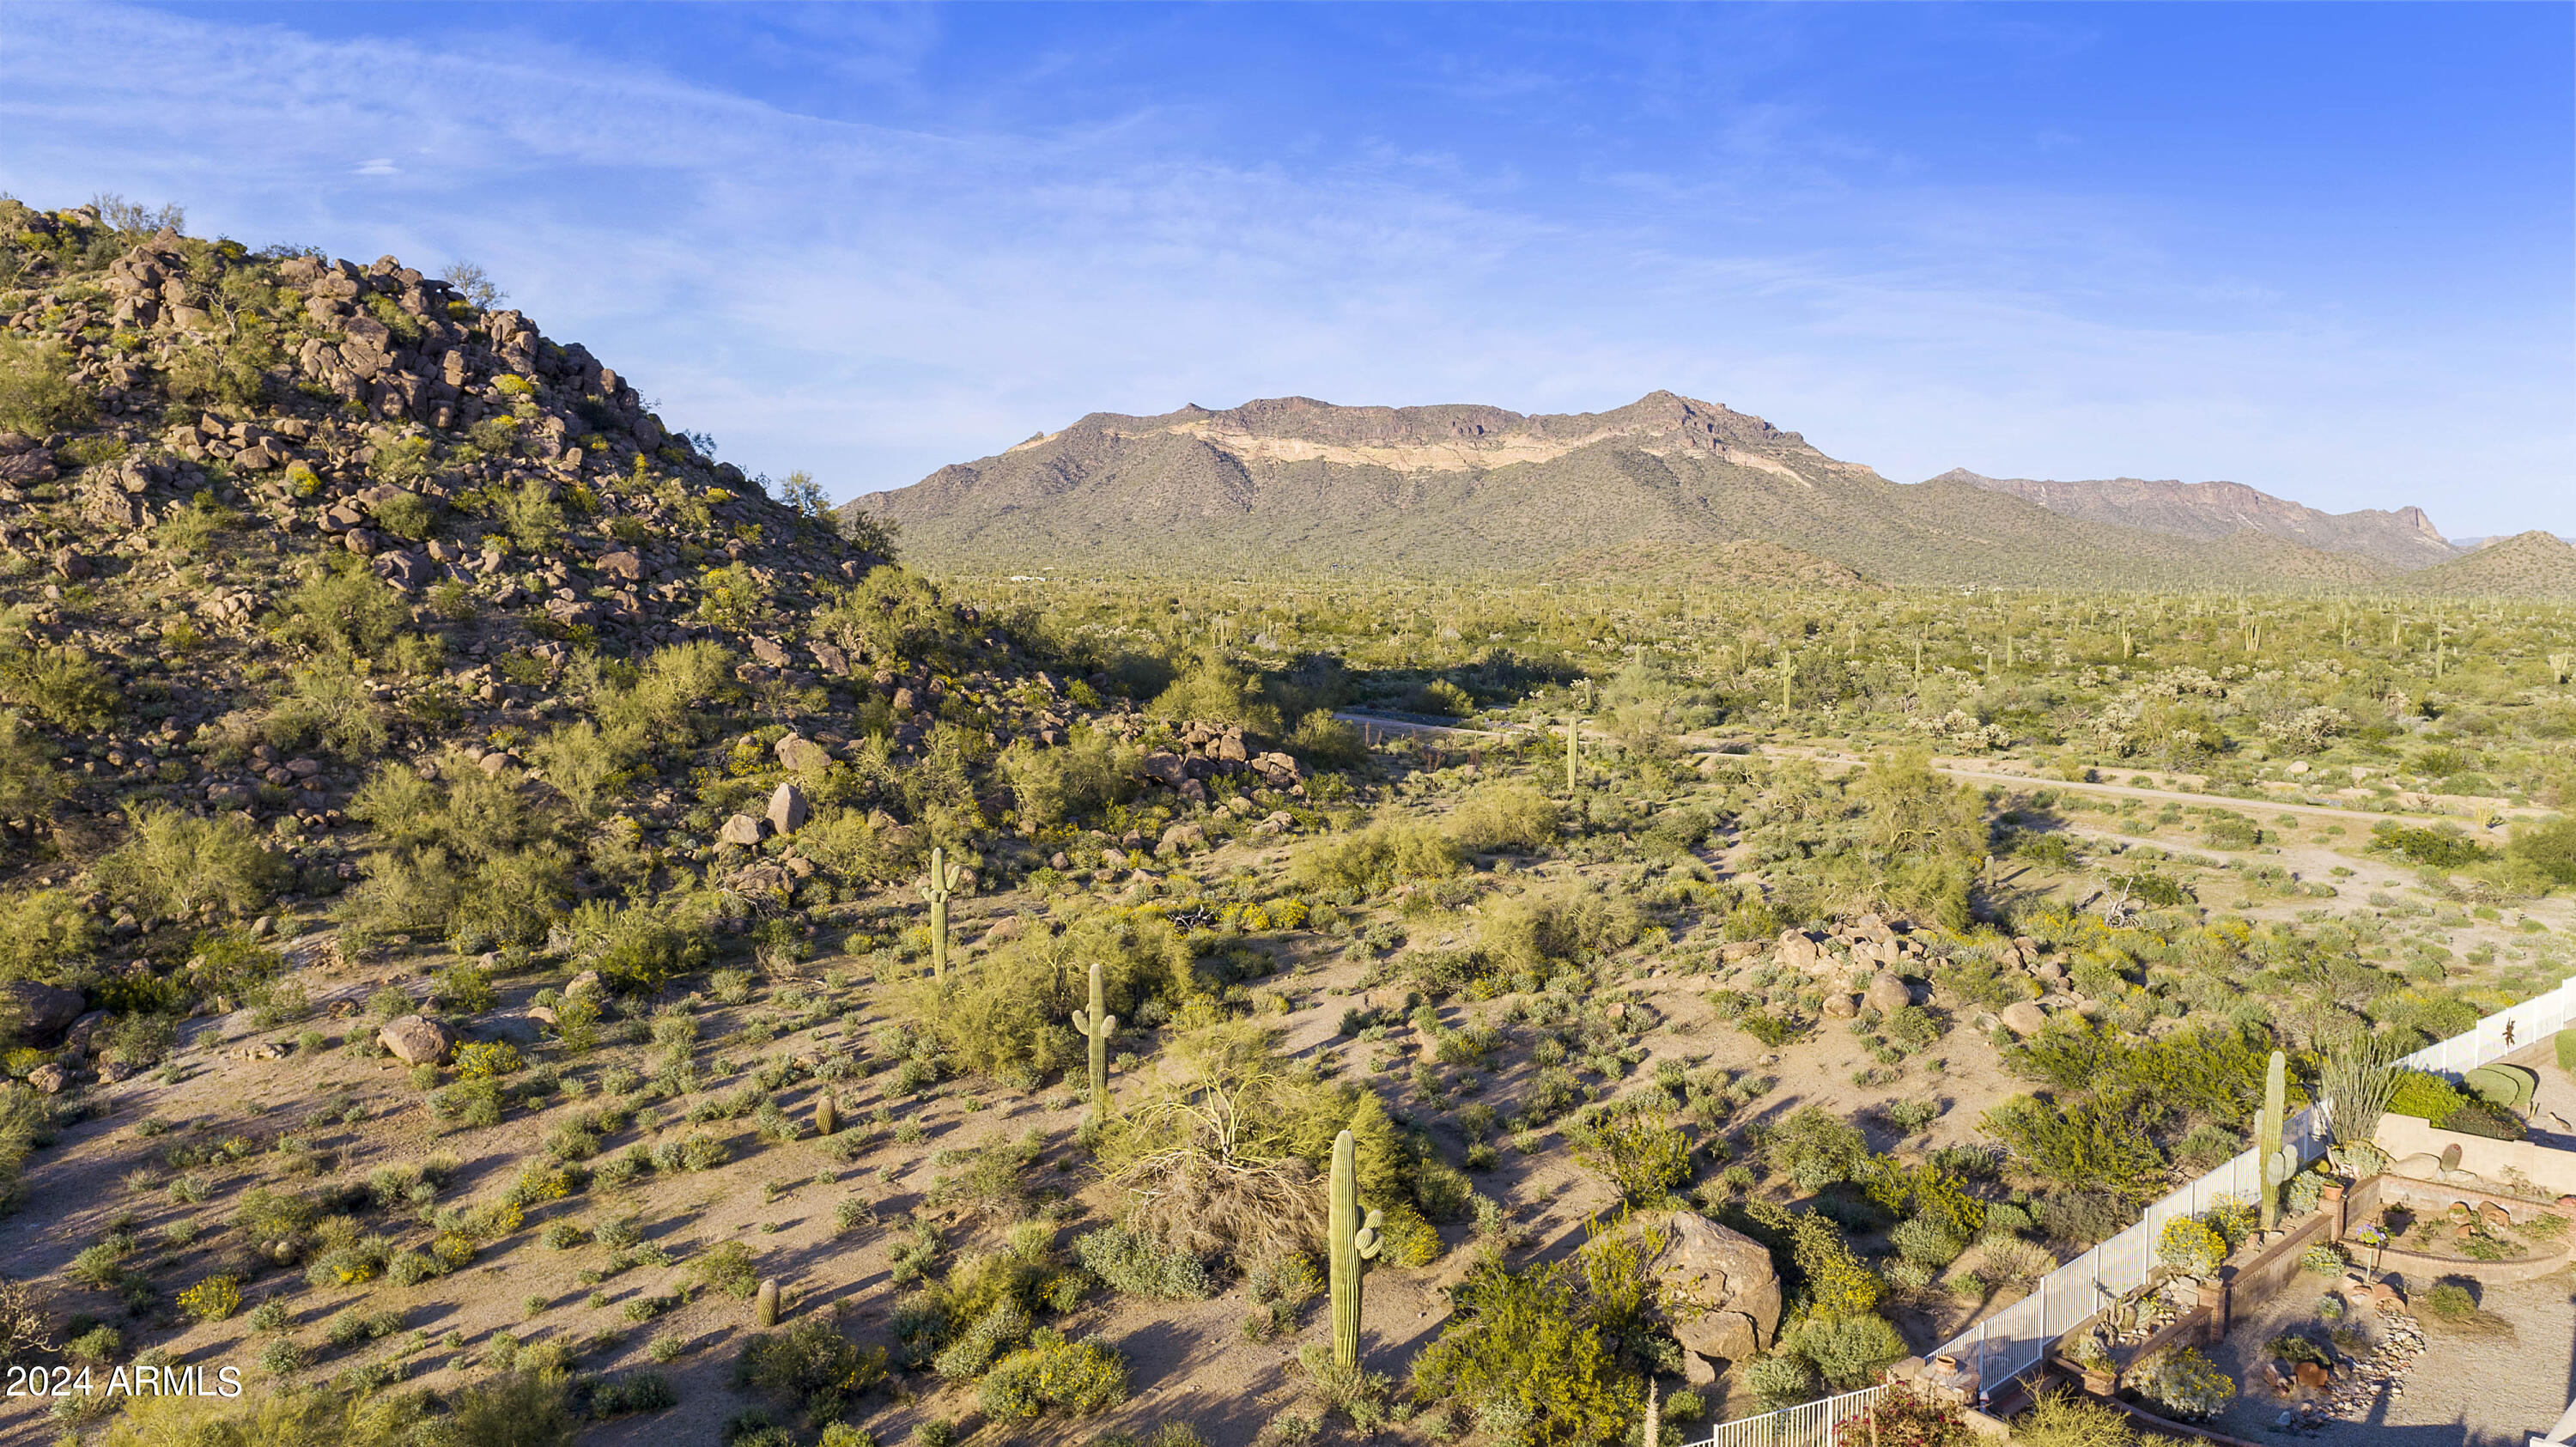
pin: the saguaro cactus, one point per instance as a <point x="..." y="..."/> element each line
<point x="1573" y="750"/>
<point x="765" y="1311"/>
<point x="2269" y="1154"/>
<point x="1097" y="1025"/>
<point x="827" y="1116"/>
<point x="935" y="889"/>
<point x="1354" y="1240"/>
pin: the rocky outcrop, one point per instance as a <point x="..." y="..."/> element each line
<point x="1719" y="1291"/>
<point x="41" y="1012"/>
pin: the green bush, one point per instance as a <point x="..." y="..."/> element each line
<point x="1816" y="1148"/>
<point x="1847" y="1351"/>
<point x="2425" y="1096"/>
<point x="1505" y="814"/>
<point x="1640" y="1154"/>
<point x="2548" y="847"/>
<point x="1049" y="786"/>
<point x="2184" y="1383"/>
<point x="1520" y="1337"/>
<point x="1926" y="1242"/>
<point x="1389" y="852"/>
<point x="2481" y="1119"/>
<point x="37" y="393"/>
<point x="1051" y="1374"/>
<point x="811" y="1364"/>
<point x="2084" y="1144"/>
<point x="63" y="686"/>
<point x="1139" y="1266"/>
<point x="42" y="933"/>
<point x="177" y="863"/>
<point x="1014" y="1008"/>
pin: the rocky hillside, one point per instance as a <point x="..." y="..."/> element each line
<point x="2402" y="539"/>
<point x="297" y="554"/>
<point x="1298" y="485"/>
<point x="2535" y="564"/>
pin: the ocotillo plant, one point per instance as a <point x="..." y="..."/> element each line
<point x="1098" y="1025"/>
<point x="2267" y="1137"/>
<point x="935" y="888"/>
<point x="1354" y="1240"/>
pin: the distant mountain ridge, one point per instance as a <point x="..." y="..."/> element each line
<point x="1666" y="487"/>
<point x="2403" y="539"/>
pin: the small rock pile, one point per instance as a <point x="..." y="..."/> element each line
<point x="2357" y="1385"/>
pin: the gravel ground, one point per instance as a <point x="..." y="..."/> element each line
<point x="2468" y="1389"/>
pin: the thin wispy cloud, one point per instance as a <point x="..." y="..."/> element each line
<point x="869" y="242"/>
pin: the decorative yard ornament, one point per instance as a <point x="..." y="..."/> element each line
<point x="1097" y="1024"/>
<point x="1354" y="1240"/>
<point x="935" y="889"/>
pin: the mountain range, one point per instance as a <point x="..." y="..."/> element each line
<point x="1667" y="486"/>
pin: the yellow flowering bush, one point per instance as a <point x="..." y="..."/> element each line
<point x="212" y="1299"/>
<point x="488" y="1059"/>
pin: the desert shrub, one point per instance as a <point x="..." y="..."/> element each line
<point x="637" y="946"/>
<point x="1907" y="1417"/>
<point x="1013" y="1008"/>
<point x="347" y="611"/>
<point x="179" y="863"/>
<point x="29" y="782"/>
<point x="63" y="686"/>
<point x="811" y="1364"/>
<point x="2435" y="847"/>
<point x="42" y="932"/>
<point x="729" y="1267"/>
<point x="212" y="1299"/>
<point x="2191" y="1247"/>
<point x="1780" y="1380"/>
<point x="1140" y="1266"/>
<point x="2548" y="848"/>
<point x="37" y="393"/>
<point x="1407" y="1241"/>
<point x="2063" y="1419"/>
<point x="2184" y="1383"/>
<point x="1504" y="814"/>
<point x="2424" y="1095"/>
<point x="531" y="516"/>
<point x="1835" y="1280"/>
<point x="1926" y="1242"/>
<point x="1388" y="852"/>
<point x="466" y="852"/>
<point x="2448" y="1301"/>
<point x="1050" y="786"/>
<point x="2086" y="1143"/>
<point x="1816" y="1148"/>
<point x="1640" y="1154"/>
<point x="1519" y="1337"/>
<point x="1531" y="931"/>
<point x="1051" y="1374"/>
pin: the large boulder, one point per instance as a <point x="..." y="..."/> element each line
<point x="415" y="1040"/>
<point x="41" y="1012"/>
<point x="787" y="809"/>
<point x="1887" y="993"/>
<point x="743" y="829"/>
<point x="1797" y="951"/>
<point x="802" y="755"/>
<point x="1718" y="1288"/>
<point x="2024" y="1017"/>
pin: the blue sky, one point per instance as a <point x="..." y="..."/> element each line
<point x="2323" y="250"/>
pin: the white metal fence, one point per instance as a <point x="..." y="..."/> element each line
<point x="1810" y="1424"/>
<point x="2012" y="1340"/>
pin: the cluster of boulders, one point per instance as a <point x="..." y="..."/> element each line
<point x="1859" y="963"/>
<point x="1208" y="751"/>
<point x="57" y="1018"/>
